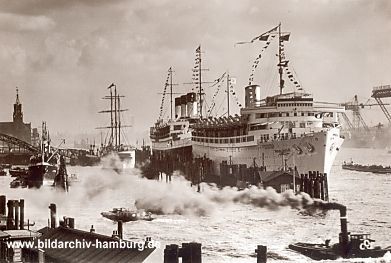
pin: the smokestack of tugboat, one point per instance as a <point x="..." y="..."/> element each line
<point x="344" y="235"/>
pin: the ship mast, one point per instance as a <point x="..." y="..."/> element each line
<point x="111" y="113"/>
<point x="119" y="121"/>
<point x="228" y="93"/>
<point x="170" y="72"/>
<point x="200" y="82"/>
<point x="280" y="59"/>
<point x="198" y="54"/>
<point x="115" y="117"/>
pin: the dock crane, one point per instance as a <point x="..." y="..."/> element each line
<point x="382" y="92"/>
<point x="358" y="120"/>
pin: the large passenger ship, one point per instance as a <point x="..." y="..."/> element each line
<point x="171" y="138"/>
<point x="283" y="131"/>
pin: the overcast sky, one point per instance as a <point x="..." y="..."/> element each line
<point x="62" y="54"/>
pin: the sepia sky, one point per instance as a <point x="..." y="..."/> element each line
<point x="63" y="54"/>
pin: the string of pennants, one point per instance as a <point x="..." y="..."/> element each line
<point x="268" y="37"/>
<point x="164" y="93"/>
<point x="217" y="82"/>
<point x="256" y="61"/>
<point x="233" y="93"/>
<point x="196" y="71"/>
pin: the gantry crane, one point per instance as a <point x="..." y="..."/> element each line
<point x="358" y="120"/>
<point x="382" y="92"/>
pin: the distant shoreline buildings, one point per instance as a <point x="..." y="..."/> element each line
<point x="17" y="128"/>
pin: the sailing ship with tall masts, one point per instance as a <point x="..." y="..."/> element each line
<point x="113" y="144"/>
<point x="285" y="130"/>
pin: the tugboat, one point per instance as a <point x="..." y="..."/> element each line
<point x="349" y="246"/>
<point x="126" y="215"/>
<point x="378" y="169"/>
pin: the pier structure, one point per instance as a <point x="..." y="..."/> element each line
<point x="198" y="170"/>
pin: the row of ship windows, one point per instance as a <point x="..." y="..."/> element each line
<point x="224" y="140"/>
<point x="283" y="114"/>
<point x="294" y="104"/>
<point x="263" y="138"/>
<point x="286" y="124"/>
<point x="287" y="114"/>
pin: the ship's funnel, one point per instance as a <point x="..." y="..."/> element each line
<point x="177" y="108"/>
<point x="183" y="106"/>
<point x="253" y="96"/>
<point x="192" y="105"/>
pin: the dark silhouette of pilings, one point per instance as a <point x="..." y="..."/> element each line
<point x="189" y="252"/>
<point x="21" y="207"/>
<point x="315" y="184"/>
<point x="3" y="203"/>
<point x="15" y="217"/>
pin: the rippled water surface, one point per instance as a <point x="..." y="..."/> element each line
<point x="229" y="232"/>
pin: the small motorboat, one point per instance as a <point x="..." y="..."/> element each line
<point x="126" y="215"/>
<point x="19" y="172"/>
<point x="18" y="182"/>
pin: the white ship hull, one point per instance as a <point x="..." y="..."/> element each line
<point x="171" y="145"/>
<point x="311" y="152"/>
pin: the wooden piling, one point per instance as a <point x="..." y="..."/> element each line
<point x="10" y="217"/>
<point x="185" y="253"/>
<point x="171" y="254"/>
<point x="16" y="215"/>
<point x="21" y="206"/>
<point x="195" y="252"/>
<point x="261" y="254"/>
<point x="322" y="187"/>
<point x="326" y="188"/>
<point x="3" y="202"/>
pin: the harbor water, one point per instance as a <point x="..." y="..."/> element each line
<point x="229" y="231"/>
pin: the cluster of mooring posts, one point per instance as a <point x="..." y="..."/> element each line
<point x="191" y="253"/>
<point x="14" y="220"/>
<point x="198" y="170"/>
<point x="315" y="184"/>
